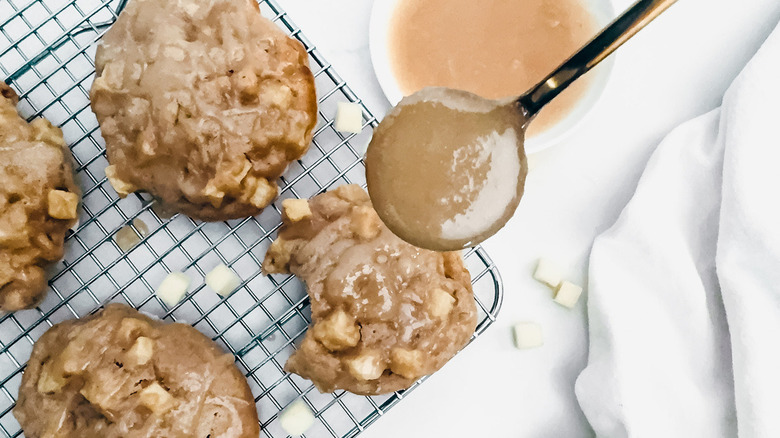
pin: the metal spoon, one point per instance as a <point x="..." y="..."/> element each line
<point x="438" y="165"/>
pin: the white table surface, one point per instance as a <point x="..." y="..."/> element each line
<point x="677" y="68"/>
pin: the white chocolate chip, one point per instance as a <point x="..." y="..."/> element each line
<point x="567" y="294"/>
<point x="222" y="280"/>
<point x="349" y="117"/>
<point x="527" y="335"/>
<point x="548" y="272"/>
<point x="173" y="288"/>
<point x="296" y="418"/>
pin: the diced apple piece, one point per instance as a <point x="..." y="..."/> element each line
<point x="528" y="335"/>
<point x="99" y="396"/>
<point x="278" y="256"/>
<point x="222" y="280"/>
<point x="131" y="328"/>
<point x="567" y="294"/>
<point x="365" y="222"/>
<point x="264" y="193"/>
<point x="248" y="83"/>
<point x="214" y="195"/>
<point x="142" y="350"/>
<point x="296" y="209"/>
<point x="173" y="288"/>
<point x="156" y="398"/>
<point x="141" y="226"/>
<point x="44" y="131"/>
<point x="352" y="193"/>
<point x="54" y="431"/>
<point x="366" y="367"/>
<point x="63" y="205"/>
<point x="71" y="360"/>
<point x="276" y="94"/>
<point x="349" y="117"/>
<point x="337" y="332"/>
<point x="441" y="303"/>
<point x="122" y="188"/>
<point x="50" y="381"/>
<point x="548" y="272"/>
<point x="126" y="238"/>
<point x="14" y="233"/>
<point x="297" y="418"/>
<point x="406" y="363"/>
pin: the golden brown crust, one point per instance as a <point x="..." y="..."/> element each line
<point x="34" y="160"/>
<point x="120" y="373"/>
<point x="384" y="313"/>
<point x="203" y="104"/>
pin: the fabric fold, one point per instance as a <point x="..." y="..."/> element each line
<point x="684" y="289"/>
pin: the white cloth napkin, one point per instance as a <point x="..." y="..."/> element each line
<point x="684" y="290"/>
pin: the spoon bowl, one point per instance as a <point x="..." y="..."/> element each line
<point x="446" y="168"/>
<point x="467" y="174"/>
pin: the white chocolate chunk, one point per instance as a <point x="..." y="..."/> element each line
<point x="567" y="294"/>
<point x="173" y="288"/>
<point x="548" y="272"/>
<point x="222" y="280"/>
<point x="528" y="335"/>
<point x="349" y="117"/>
<point x="296" y="418"/>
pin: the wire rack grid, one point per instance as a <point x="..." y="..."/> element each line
<point x="47" y="54"/>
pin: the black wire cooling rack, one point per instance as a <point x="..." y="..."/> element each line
<point x="47" y="54"/>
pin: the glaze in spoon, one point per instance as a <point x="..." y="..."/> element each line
<point x="446" y="168"/>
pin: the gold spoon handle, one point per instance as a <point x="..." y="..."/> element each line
<point x="602" y="45"/>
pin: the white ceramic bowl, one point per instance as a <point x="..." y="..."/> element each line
<point x="379" y="29"/>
